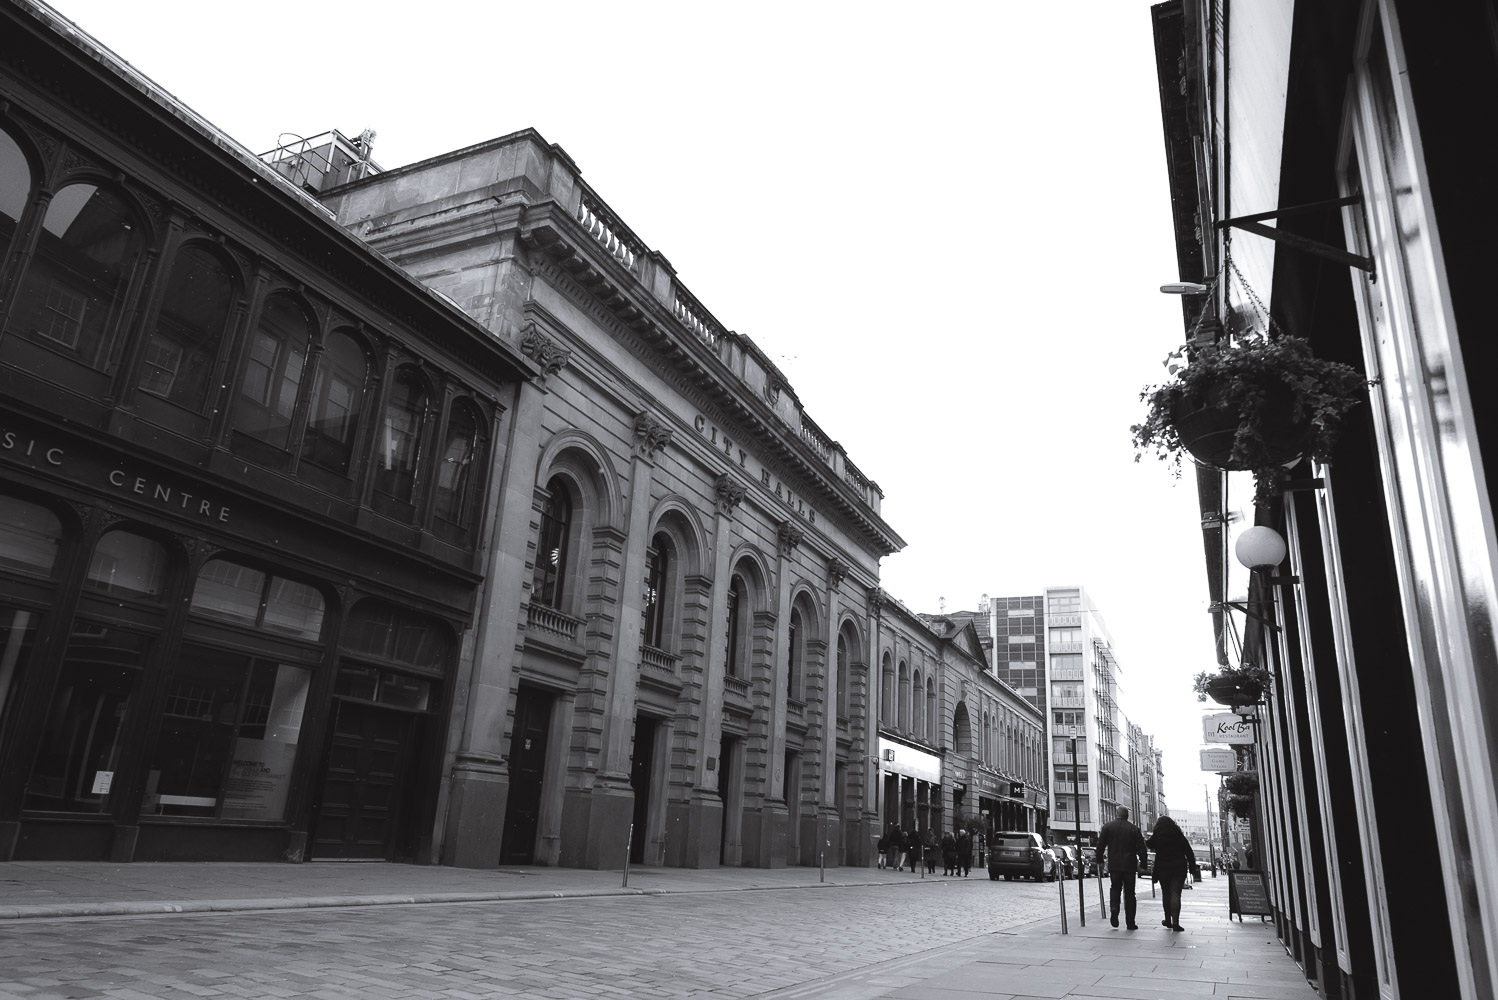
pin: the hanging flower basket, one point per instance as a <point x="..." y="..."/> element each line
<point x="1253" y="405"/>
<point x="1241" y="685"/>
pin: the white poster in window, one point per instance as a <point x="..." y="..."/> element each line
<point x="260" y="774"/>
<point x="102" y="781"/>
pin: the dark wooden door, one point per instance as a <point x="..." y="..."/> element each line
<point x="527" y="769"/>
<point x="368" y="757"/>
<point x="639" y="779"/>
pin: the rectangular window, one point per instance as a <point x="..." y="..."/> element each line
<point x="163" y="359"/>
<point x="1015" y="640"/>
<point x="62" y="315"/>
<point x="228" y="740"/>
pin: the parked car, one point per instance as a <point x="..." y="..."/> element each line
<point x="1017" y="854"/>
<point x="1066" y="860"/>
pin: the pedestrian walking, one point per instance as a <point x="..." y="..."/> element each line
<point x="1124" y="846"/>
<point x="897" y="847"/>
<point x="929" y="848"/>
<point x="883" y="846"/>
<point x="1173" y="859"/>
<point x="964" y="852"/>
<point x="913" y="850"/>
<point x="948" y="854"/>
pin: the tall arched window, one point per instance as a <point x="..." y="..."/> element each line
<point x="30" y="536"/>
<point x="887" y="692"/>
<point x="73" y="295"/>
<point x="459" y="471"/>
<point x="550" y="574"/>
<point x="400" y="437"/>
<point x="793" y="657"/>
<point x="15" y="188"/>
<point x="735" y="660"/>
<point x="842" y="675"/>
<point x="916" y="714"/>
<point x="657" y="558"/>
<point x="929" y="726"/>
<point x="273" y="372"/>
<point x="125" y="564"/>
<point x="337" y="401"/>
<point x="183" y="348"/>
<point x="902" y="707"/>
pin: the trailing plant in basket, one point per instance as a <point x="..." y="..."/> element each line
<point x="1246" y="675"/>
<point x="1272" y="402"/>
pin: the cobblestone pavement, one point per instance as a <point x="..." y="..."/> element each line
<point x="692" y="944"/>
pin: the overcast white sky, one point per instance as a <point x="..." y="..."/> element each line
<point x="947" y="224"/>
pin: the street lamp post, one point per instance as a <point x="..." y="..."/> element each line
<point x="1076" y="799"/>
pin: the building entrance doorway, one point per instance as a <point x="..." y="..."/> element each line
<point x="527" y="768"/>
<point x="369" y="755"/>
<point x="641" y="766"/>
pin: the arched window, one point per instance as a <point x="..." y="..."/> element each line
<point x="244" y="595"/>
<point x="183" y="349"/>
<point x="915" y="703"/>
<point x="15" y="189"/>
<point x="74" y="292"/>
<point x="657" y="558"/>
<point x="337" y="401"/>
<point x="902" y="708"/>
<point x="793" y="657"/>
<point x="842" y="675"/>
<point x="273" y="372"/>
<point x="929" y="725"/>
<point x="887" y="692"/>
<point x="125" y="564"/>
<point x="400" y="437"/>
<point x="962" y="737"/>
<point x="735" y="660"/>
<point x="29" y="537"/>
<point x="550" y="574"/>
<point x="459" y="472"/>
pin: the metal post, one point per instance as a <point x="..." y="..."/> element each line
<point x="1061" y="887"/>
<point x="629" y="840"/>
<point x="1076" y="798"/>
<point x="822" y="861"/>
<point x="1211" y="849"/>
<point x="1102" y="904"/>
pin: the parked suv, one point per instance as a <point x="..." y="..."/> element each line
<point x="1020" y="855"/>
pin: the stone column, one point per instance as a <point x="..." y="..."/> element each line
<point x="480" y="783"/>
<point x="832" y="834"/>
<point x="771" y="839"/>
<point x="704" y="819"/>
<point x="612" y="806"/>
<point x="874" y="783"/>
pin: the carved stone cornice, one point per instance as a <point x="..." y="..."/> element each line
<point x="787" y="537"/>
<point x="543" y="351"/>
<point x="730" y="493"/>
<point x="837" y="572"/>
<point x="651" y="435"/>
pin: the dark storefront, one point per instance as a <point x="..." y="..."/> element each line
<point x="239" y="495"/>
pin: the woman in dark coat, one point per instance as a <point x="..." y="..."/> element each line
<point x="948" y="854"/>
<point x="1173" y="859"/>
<point x="913" y="850"/>
<point x="964" y="852"/>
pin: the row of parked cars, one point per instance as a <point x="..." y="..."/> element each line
<point x="1026" y="855"/>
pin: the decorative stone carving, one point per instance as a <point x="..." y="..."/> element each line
<point x="876" y="601"/>
<point x="772" y="390"/>
<point x="837" y="572"/>
<point x="543" y="351"/>
<point x="788" y="537"/>
<point x="651" y="435"/>
<point x="730" y="493"/>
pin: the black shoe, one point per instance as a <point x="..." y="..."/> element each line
<point x="1176" y="927"/>
<point x="1133" y="927"/>
<point x="1165" y="923"/>
<point x="1113" y="920"/>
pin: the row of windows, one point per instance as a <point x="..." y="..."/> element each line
<point x="303" y="396"/>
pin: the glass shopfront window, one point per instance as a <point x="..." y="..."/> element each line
<point x="17" y="634"/>
<point x="81" y="745"/>
<point x="247" y="596"/>
<point x="127" y="565"/>
<point x="229" y="733"/>
<point x="29" y="537"/>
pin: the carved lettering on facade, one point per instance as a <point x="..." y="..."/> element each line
<point x="780" y="490"/>
<point x="168" y="496"/>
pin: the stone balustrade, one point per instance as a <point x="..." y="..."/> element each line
<point x="552" y="622"/>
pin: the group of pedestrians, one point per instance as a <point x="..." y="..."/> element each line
<point x="1127" y="852"/>
<point x="900" y="849"/>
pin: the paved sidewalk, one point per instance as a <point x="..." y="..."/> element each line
<point x="1216" y="957"/>
<point x="84" y="889"/>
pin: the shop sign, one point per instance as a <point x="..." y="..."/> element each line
<point x="901" y="759"/>
<point x="1226" y="727"/>
<point x="1219" y="760"/>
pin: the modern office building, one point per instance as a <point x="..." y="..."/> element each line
<point x="1321" y="165"/>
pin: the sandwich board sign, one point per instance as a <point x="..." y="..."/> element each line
<point x="1248" y="892"/>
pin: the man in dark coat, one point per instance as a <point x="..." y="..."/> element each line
<point x="1124" y="846"/>
<point x="964" y="852"/>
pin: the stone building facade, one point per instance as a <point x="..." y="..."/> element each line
<point x="674" y="648"/>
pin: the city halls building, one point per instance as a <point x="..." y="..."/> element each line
<point x="247" y="472"/>
<point x="674" y="654"/>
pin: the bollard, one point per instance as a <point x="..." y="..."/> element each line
<point x="1061" y="886"/>
<point x="822" y="862"/>
<point x="1081" y="897"/>
<point x="1102" y="904"/>
<point x="628" y="844"/>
